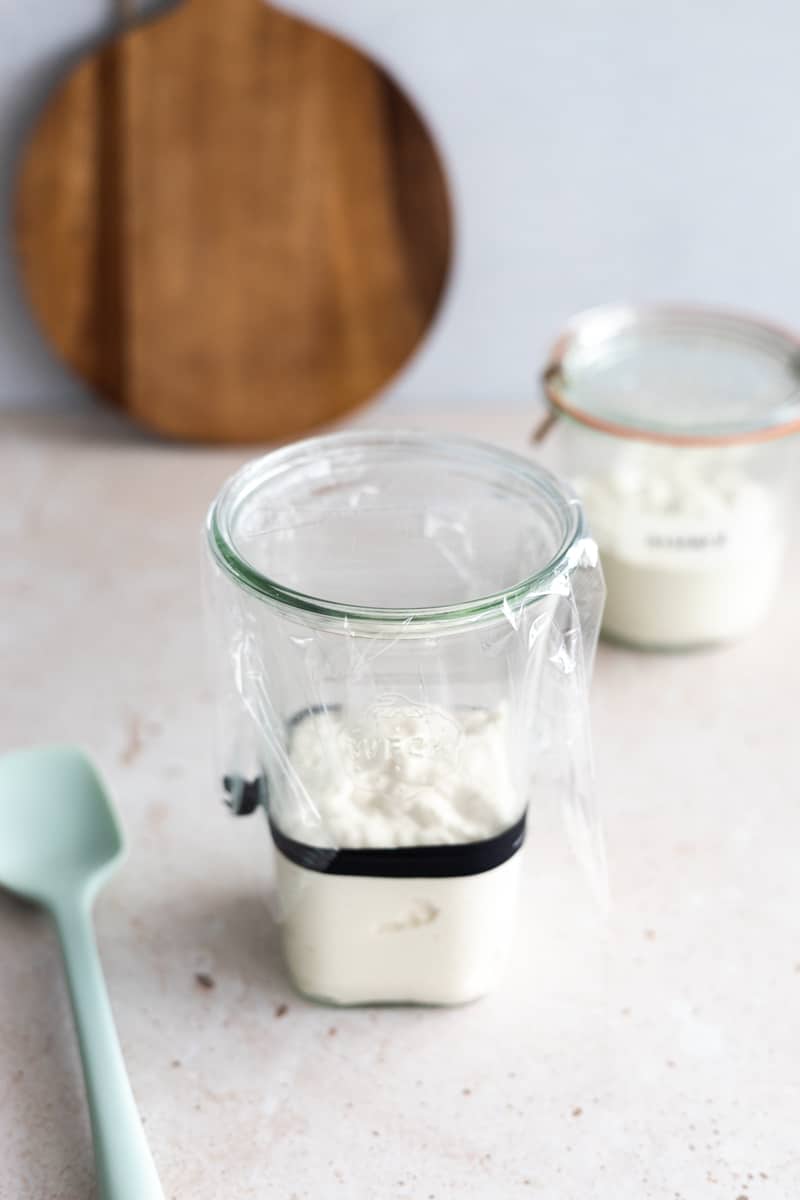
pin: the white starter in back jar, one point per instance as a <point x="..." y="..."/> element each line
<point x="673" y="428"/>
<point x="392" y="677"/>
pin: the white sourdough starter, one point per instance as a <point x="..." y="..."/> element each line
<point x="691" y="551"/>
<point x="402" y="775"/>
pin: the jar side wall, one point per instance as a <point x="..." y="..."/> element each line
<point x="454" y="710"/>
<point x="691" y="538"/>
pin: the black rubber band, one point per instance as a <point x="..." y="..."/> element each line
<point x="395" y="862"/>
<point x="405" y="862"/>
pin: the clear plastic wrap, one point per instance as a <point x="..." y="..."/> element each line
<point x="404" y="631"/>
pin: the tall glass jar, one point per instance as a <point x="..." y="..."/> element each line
<point x="405" y="629"/>
<point x="673" y="425"/>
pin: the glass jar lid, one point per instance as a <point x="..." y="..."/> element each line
<point x="687" y="376"/>
<point x="397" y="527"/>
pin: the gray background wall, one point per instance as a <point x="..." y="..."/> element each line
<point x="597" y="151"/>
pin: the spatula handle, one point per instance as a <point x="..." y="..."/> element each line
<point x="125" y="1168"/>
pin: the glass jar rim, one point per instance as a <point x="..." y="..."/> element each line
<point x="606" y="322"/>
<point x="562" y="501"/>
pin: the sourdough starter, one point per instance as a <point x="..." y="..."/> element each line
<point x="691" y="551"/>
<point x="401" y="775"/>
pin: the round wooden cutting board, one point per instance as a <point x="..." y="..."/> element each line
<point x="232" y="225"/>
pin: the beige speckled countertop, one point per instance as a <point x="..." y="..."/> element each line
<point x="656" y="1057"/>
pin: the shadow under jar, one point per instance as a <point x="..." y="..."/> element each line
<point x="404" y="629"/>
<point x="673" y="425"/>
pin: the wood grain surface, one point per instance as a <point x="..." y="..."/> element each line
<point x="230" y="224"/>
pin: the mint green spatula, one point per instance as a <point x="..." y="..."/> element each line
<point x="59" y="842"/>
